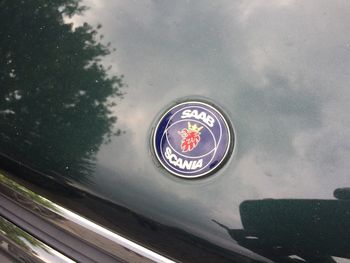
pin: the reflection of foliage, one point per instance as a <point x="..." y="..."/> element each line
<point x="27" y="193"/>
<point x="18" y="236"/>
<point x="54" y="93"/>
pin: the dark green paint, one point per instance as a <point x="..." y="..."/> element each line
<point x="75" y="130"/>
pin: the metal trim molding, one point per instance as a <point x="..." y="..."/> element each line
<point x="111" y="243"/>
<point x="22" y="246"/>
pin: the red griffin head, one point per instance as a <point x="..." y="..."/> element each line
<point x="190" y="137"/>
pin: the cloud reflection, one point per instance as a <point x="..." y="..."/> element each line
<point x="280" y="70"/>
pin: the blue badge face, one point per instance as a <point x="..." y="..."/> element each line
<point x="192" y="139"/>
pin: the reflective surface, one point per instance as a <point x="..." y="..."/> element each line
<point x="22" y="247"/>
<point x="280" y="69"/>
<point x="313" y="230"/>
<point x="192" y="139"/>
<point x="121" y="248"/>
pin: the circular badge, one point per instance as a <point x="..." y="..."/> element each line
<point x="192" y="139"/>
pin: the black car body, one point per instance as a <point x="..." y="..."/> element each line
<point x="84" y="83"/>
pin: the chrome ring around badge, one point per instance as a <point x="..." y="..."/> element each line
<point x="192" y="139"/>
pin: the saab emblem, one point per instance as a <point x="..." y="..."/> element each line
<point x="192" y="139"/>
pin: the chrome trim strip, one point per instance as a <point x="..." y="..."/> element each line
<point x="84" y="229"/>
<point x="22" y="246"/>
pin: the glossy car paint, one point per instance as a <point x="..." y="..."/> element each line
<point x="279" y="69"/>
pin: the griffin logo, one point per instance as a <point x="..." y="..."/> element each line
<point x="190" y="137"/>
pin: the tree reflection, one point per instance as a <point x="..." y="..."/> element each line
<point x="55" y="95"/>
<point x="18" y="236"/>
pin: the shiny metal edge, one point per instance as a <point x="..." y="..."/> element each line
<point x="20" y="245"/>
<point x="77" y="225"/>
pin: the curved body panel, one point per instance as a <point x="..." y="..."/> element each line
<point x="83" y="84"/>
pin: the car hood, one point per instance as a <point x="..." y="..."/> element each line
<point x="83" y="86"/>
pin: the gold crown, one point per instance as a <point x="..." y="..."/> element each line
<point x="194" y="127"/>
